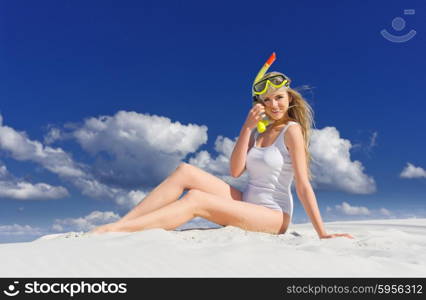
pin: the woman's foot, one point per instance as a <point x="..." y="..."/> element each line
<point x="105" y="228"/>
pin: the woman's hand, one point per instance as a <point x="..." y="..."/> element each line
<point x="329" y="236"/>
<point x="254" y="116"/>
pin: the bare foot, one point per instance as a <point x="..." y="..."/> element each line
<point x="104" y="228"/>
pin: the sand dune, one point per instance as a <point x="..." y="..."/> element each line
<point x="381" y="248"/>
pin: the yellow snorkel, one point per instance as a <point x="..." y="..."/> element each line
<point x="261" y="125"/>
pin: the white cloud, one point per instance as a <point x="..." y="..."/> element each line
<point x="28" y="191"/>
<point x="332" y="165"/>
<point x="136" y="150"/>
<point x="385" y="212"/>
<point x="16" y="229"/>
<point x="21" y="148"/>
<point x="11" y="187"/>
<point x="85" y="223"/>
<point x="93" y="188"/>
<point x="3" y="171"/>
<point x="135" y="129"/>
<point x="57" y="227"/>
<point x="373" y="139"/>
<point x="53" y="135"/>
<point x="412" y="171"/>
<point x="347" y="209"/>
<point x="130" y="199"/>
<point x="219" y="166"/>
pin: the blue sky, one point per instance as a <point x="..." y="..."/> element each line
<point x="100" y="100"/>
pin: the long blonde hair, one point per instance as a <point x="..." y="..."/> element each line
<point x="300" y="111"/>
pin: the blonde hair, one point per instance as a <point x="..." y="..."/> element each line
<point x="300" y="111"/>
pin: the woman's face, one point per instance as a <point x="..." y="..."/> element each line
<point x="276" y="103"/>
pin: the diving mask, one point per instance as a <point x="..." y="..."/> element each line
<point x="260" y="86"/>
<point x="276" y="81"/>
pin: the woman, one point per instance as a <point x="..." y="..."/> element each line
<point x="271" y="159"/>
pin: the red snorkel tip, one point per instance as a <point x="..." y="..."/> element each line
<point x="271" y="59"/>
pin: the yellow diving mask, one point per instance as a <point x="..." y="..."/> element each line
<point x="260" y="86"/>
<point x="276" y="81"/>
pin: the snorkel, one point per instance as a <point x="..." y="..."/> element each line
<point x="262" y="124"/>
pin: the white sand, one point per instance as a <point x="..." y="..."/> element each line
<point x="381" y="248"/>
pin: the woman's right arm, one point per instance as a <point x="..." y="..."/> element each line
<point x="245" y="141"/>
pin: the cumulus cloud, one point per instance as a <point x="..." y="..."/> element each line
<point x="347" y="209"/>
<point x="85" y="223"/>
<point x="29" y="191"/>
<point x="16" y="229"/>
<point x="11" y="187"/>
<point x="3" y="171"/>
<point x="411" y="171"/>
<point x="20" y="147"/>
<point x="385" y="212"/>
<point x="130" y="199"/>
<point x="332" y="166"/>
<point x="53" y="135"/>
<point x="137" y="150"/>
<point x="219" y="166"/>
<point x="133" y="153"/>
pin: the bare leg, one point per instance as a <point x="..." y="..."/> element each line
<point x="184" y="177"/>
<point x="168" y="217"/>
<point x="245" y="215"/>
<point x="167" y="191"/>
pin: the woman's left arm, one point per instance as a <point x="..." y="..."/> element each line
<point x="295" y="143"/>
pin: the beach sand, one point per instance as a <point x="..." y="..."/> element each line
<point x="381" y="248"/>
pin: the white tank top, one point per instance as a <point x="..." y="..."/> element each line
<point x="270" y="175"/>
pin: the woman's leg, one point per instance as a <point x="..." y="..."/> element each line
<point x="217" y="209"/>
<point x="185" y="176"/>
